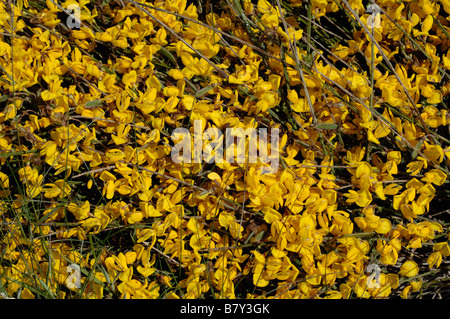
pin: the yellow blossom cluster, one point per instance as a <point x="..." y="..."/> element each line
<point x="93" y="204"/>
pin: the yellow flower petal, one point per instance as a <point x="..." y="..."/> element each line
<point x="130" y="78"/>
<point x="409" y="269"/>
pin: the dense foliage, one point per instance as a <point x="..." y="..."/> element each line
<point x="357" y="208"/>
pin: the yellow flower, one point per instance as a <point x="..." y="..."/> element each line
<point x="443" y="248"/>
<point x="80" y="212"/>
<point x="362" y="198"/>
<point x="435" y="176"/>
<point x="298" y="104"/>
<point x="176" y="74"/>
<point x="270" y="215"/>
<point x="416" y="166"/>
<point x="388" y="252"/>
<point x="434" y="258"/>
<point x="409" y="269"/>
<point x="243" y="74"/>
<point x="130" y="78"/>
<point x="122" y="134"/>
<point x="405" y="292"/>
<point x="160" y="37"/>
<point x="318" y="7"/>
<point x="416" y="285"/>
<point x="433" y="152"/>
<point x="83" y="33"/>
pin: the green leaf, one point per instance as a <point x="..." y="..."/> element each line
<point x="326" y="126"/>
<point x="4" y="97"/>
<point x="92" y="104"/>
<point x="168" y="55"/>
<point x="205" y="90"/>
